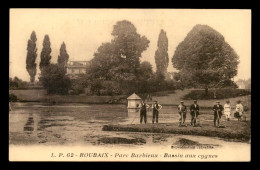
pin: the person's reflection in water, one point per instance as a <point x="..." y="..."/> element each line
<point x="29" y="126"/>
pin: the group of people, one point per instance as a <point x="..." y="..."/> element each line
<point x="194" y="112"/>
<point x="143" y="110"/>
<point x="218" y="109"/>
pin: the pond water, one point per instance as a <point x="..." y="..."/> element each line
<point x="81" y="124"/>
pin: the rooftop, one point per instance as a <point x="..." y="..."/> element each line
<point x="134" y="96"/>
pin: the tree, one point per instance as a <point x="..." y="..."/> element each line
<point x="129" y="44"/>
<point x="17" y="83"/>
<point x="145" y="77"/>
<point x="205" y="59"/>
<point x="161" y="54"/>
<point x="78" y="86"/>
<point x="104" y="59"/>
<point x="31" y="57"/>
<point x="118" y="60"/>
<point x="145" y="71"/>
<point x="54" y="79"/>
<point x="45" y="54"/>
<point x="63" y="57"/>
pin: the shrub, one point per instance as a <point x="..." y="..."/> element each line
<point x="53" y="78"/>
<point x="78" y="85"/>
<point x="220" y="94"/>
<point x="17" y="84"/>
<point x="110" y="88"/>
<point x="13" y="98"/>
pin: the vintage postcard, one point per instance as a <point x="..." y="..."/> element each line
<point x="130" y="85"/>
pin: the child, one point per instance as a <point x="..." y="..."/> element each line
<point x="227" y="110"/>
<point x="239" y="110"/>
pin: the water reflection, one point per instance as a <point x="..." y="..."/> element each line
<point x="57" y="125"/>
<point x="29" y="126"/>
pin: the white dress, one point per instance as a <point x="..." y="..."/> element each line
<point x="227" y="110"/>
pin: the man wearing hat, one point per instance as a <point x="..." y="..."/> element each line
<point x="182" y="112"/>
<point x="194" y="111"/>
<point x="156" y="107"/>
<point x="217" y="108"/>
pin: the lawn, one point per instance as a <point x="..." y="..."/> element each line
<point x="175" y="98"/>
<point x="168" y="123"/>
<point x="219" y="94"/>
<point x="233" y="131"/>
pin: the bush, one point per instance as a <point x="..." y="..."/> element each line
<point x="17" y="84"/>
<point x="53" y="78"/>
<point x="78" y="85"/>
<point x="13" y="98"/>
<point x="220" y="94"/>
<point x="111" y="88"/>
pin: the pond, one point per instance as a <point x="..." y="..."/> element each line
<point x="81" y="124"/>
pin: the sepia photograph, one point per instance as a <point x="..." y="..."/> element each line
<point x="129" y="85"/>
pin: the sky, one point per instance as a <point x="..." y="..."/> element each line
<point x="84" y="30"/>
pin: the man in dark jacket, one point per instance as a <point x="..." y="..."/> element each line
<point x="143" y="111"/>
<point x="156" y="107"/>
<point x="217" y="108"/>
<point x="194" y="112"/>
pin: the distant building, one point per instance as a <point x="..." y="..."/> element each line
<point x="75" y="68"/>
<point x="241" y="84"/>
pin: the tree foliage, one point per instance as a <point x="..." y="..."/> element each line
<point x="205" y="59"/>
<point x="118" y="60"/>
<point x="79" y="84"/>
<point x="46" y="51"/>
<point x="145" y="71"/>
<point x="31" y="56"/>
<point x="54" y="79"/>
<point x="63" y="57"/>
<point x="129" y="44"/>
<point x="161" y="54"/>
<point x="17" y="84"/>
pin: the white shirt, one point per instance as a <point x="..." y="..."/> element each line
<point x="227" y="108"/>
<point x="160" y="106"/>
<point x="140" y="105"/>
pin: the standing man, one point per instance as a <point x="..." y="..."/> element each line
<point x="194" y="111"/>
<point x="182" y="112"/>
<point x="217" y="108"/>
<point x="143" y="112"/>
<point x="156" y="107"/>
<point x="227" y="110"/>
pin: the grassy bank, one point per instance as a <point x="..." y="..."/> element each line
<point x="219" y="94"/>
<point x="234" y="130"/>
<point x="42" y="96"/>
<point x="174" y="100"/>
